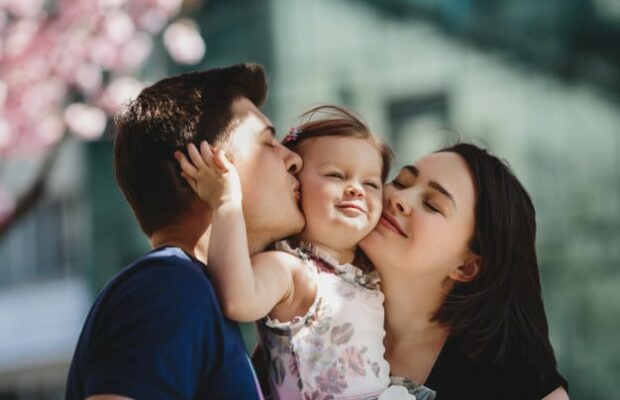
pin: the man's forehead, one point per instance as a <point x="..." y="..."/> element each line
<point x="247" y="116"/>
<point x="251" y="125"/>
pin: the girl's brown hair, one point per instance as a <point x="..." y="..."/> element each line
<point x="331" y="120"/>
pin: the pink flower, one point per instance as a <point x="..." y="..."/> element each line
<point x="354" y="361"/>
<point x="331" y="381"/>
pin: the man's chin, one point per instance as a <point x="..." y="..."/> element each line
<point x="298" y="224"/>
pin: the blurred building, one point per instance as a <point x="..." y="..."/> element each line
<point x="54" y="261"/>
<point x="538" y="83"/>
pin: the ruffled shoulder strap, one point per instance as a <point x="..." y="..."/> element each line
<point x="300" y="320"/>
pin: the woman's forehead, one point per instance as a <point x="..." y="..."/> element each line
<point x="439" y="164"/>
<point x="449" y="170"/>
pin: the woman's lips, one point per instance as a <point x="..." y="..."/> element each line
<point x="390" y="223"/>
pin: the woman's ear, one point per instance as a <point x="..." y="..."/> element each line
<point x="468" y="270"/>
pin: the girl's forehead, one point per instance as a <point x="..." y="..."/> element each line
<point x="358" y="153"/>
<point x="326" y="146"/>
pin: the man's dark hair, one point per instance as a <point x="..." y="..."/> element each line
<point x="166" y="117"/>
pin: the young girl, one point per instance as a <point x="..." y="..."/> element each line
<point x="323" y="326"/>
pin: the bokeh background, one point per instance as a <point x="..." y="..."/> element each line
<point x="538" y="82"/>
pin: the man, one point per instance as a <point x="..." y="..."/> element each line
<point x="156" y="331"/>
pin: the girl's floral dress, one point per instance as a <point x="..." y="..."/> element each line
<point x="336" y="350"/>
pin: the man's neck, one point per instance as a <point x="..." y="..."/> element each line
<point x="257" y="242"/>
<point x="194" y="243"/>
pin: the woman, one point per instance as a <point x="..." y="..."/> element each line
<point x="455" y="249"/>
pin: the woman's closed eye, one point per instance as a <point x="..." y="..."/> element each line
<point x="398" y="184"/>
<point x="430" y="207"/>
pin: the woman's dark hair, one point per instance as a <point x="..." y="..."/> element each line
<point x="331" y="120"/>
<point x="500" y="314"/>
<point x="167" y="116"/>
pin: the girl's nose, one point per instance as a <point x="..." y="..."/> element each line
<point x="354" y="191"/>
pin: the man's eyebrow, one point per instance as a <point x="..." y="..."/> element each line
<point x="443" y="191"/>
<point x="271" y="130"/>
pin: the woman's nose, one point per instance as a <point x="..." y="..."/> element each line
<point x="399" y="204"/>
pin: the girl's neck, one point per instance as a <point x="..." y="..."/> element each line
<point x="343" y="256"/>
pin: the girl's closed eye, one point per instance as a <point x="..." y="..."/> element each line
<point x="271" y="143"/>
<point x="335" y="174"/>
<point x="372" y="184"/>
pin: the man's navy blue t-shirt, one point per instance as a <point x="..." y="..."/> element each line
<point x="156" y="331"/>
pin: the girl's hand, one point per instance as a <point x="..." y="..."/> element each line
<point x="212" y="176"/>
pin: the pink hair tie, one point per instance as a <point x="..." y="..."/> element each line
<point x="293" y="135"/>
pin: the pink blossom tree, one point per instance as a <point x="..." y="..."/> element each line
<point x="67" y="65"/>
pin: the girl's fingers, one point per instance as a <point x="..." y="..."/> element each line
<point x="197" y="158"/>
<point x="192" y="182"/>
<point x="221" y="161"/>
<point x="206" y="153"/>
<point x="186" y="166"/>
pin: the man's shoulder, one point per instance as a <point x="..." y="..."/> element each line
<point x="170" y="264"/>
<point x="162" y="274"/>
<point x="165" y="286"/>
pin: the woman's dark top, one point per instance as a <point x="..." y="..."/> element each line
<point x="456" y="376"/>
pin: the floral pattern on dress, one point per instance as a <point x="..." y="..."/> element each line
<point x="323" y="347"/>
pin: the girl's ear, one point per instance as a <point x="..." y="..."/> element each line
<point x="468" y="270"/>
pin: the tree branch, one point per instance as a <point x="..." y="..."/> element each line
<point x="31" y="197"/>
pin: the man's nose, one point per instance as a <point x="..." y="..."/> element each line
<point x="292" y="161"/>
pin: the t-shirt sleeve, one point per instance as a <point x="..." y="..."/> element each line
<point x="148" y="340"/>
<point x="547" y="382"/>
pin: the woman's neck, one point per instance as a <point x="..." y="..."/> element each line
<point x="410" y="305"/>
<point x="409" y="308"/>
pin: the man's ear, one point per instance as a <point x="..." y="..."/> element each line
<point x="467" y="271"/>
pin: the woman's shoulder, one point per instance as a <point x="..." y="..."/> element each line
<point x="457" y="375"/>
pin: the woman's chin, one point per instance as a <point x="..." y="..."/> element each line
<point x="368" y="243"/>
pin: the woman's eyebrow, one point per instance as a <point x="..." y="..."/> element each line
<point x="442" y="190"/>
<point x="413" y="170"/>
